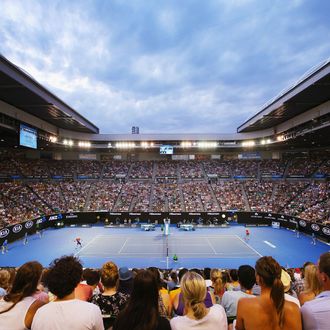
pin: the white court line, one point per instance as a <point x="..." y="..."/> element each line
<point x="85" y="246"/>
<point x="211" y="246"/>
<point x="123" y="245"/>
<point x="249" y="246"/>
<point x="270" y="244"/>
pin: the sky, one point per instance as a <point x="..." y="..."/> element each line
<point x="174" y="66"/>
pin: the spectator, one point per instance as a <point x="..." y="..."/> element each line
<point x="177" y="290"/>
<point x="233" y="284"/>
<point x="4" y="282"/>
<point x="312" y="285"/>
<point x="173" y="282"/>
<point x="111" y="301"/>
<point x="142" y="310"/>
<point x="269" y="310"/>
<point x="165" y="308"/>
<point x="92" y="278"/>
<point x="18" y="307"/>
<point x="288" y="293"/>
<point x="66" y="312"/>
<point x="247" y="279"/>
<point x="217" y="287"/>
<point x="299" y="285"/>
<point x="197" y="315"/>
<point x="125" y="280"/>
<point x="316" y="313"/>
<point x="207" y="276"/>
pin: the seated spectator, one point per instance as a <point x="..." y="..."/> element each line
<point x="177" y="290"/>
<point x="92" y="278"/>
<point x="4" y="282"/>
<point x="270" y="310"/>
<point x="66" y="312"/>
<point x="173" y="282"/>
<point x="125" y="280"/>
<point x="165" y="308"/>
<point x="299" y="284"/>
<point x="207" y="276"/>
<point x="217" y="287"/>
<point x="316" y="312"/>
<point x="142" y="310"/>
<point x="83" y="291"/>
<point x="233" y="284"/>
<point x="197" y="315"/>
<point x="111" y="301"/>
<point x="246" y="279"/>
<point x="18" y="306"/>
<point x="289" y="295"/>
<point x="312" y="285"/>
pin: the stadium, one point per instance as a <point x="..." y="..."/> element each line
<point x="175" y="207"/>
<point x="57" y="171"/>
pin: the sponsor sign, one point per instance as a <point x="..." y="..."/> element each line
<point x="4" y="232"/>
<point x="28" y="224"/>
<point x="326" y="231"/>
<point x="315" y="227"/>
<point x="17" y="228"/>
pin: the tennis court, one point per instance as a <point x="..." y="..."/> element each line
<point x="132" y="247"/>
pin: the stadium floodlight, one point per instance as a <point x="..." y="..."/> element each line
<point x="125" y="145"/>
<point x="53" y="139"/>
<point x="248" y="143"/>
<point x="68" y="142"/>
<point x="144" y="144"/>
<point x="206" y="144"/>
<point x="280" y="138"/>
<point x="186" y="144"/>
<point x="84" y="144"/>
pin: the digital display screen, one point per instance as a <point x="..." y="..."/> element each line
<point x="166" y="150"/>
<point x="28" y="136"/>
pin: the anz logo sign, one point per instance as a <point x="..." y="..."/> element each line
<point x="28" y="224"/>
<point x="4" y="233"/>
<point x="16" y="229"/>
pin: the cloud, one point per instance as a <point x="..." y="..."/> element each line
<point x="168" y="67"/>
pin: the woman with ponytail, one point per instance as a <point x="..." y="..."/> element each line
<point x="196" y="315"/>
<point x="18" y="307"/>
<point x="269" y="310"/>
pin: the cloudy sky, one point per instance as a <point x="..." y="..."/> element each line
<point x="174" y="66"/>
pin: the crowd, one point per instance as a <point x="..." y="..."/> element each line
<point x="260" y="195"/>
<point x="229" y="195"/>
<point x="66" y="296"/>
<point x="25" y="200"/>
<point x="192" y="169"/>
<point x="161" y="186"/>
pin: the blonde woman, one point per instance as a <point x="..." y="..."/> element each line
<point x="196" y="315"/>
<point x="217" y="287"/>
<point x="312" y="285"/>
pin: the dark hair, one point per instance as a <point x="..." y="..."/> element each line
<point x="324" y="263"/>
<point x="270" y="272"/>
<point x="156" y="274"/>
<point x="24" y="284"/>
<point x="207" y="273"/>
<point x="246" y="276"/>
<point x="141" y="312"/>
<point x="174" y="277"/>
<point x="91" y="276"/>
<point x="63" y="276"/>
<point x="233" y="275"/>
<point x="182" y="272"/>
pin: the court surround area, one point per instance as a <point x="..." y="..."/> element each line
<point x="205" y="247"/>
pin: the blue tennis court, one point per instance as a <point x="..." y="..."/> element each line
<point x="205" y="247"/>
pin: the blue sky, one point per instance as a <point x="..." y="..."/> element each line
<point x="166" y="66"/>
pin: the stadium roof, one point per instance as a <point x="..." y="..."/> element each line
<point x="22" y="91"/>
<point x="308" y="92"/>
